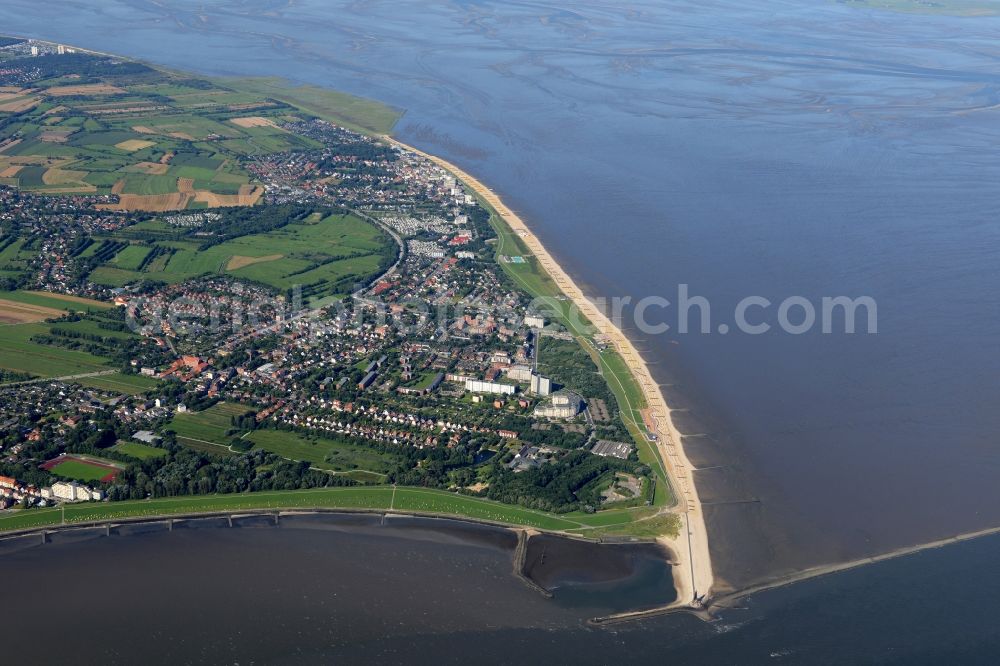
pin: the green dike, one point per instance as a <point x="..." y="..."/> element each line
<point x="357" y="113"/>
<point x="415" y="500"/>
<point x="537" y="283"/>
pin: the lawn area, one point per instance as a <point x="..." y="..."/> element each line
<point x="210" y="425"/>
<point x="137" y="450"/>
<point x="131" y="257"/>
<point x="642" y="527"/>
<point x="323" y="453"/>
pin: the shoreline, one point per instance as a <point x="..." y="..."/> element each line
<point x="693" y="574"/>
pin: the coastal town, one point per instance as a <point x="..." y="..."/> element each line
<point x="280" y="303"/>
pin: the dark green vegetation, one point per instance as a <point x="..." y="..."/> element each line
<point x="573" y="482"/>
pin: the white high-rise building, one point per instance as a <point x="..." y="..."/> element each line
<point x="540" y="384"/>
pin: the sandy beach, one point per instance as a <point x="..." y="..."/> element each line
<point x="693" y="572"/>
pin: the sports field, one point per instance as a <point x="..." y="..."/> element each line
<point x="83" y="468"/>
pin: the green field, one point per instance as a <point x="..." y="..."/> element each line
<point x="18" y="352"/>
<point x="113" y="277"/>
<point x="14" y="257"/>
<point x="131" y="257"/>
<point x="330" y="253"/>
<point x="137" y="450"/>
<point x="54" y="301"/>
<point x="127" y="384"/>
<point x="323" y="453"/>
<point x="208" y="426"/>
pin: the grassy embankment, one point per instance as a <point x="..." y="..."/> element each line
<point x="376" y="498"/>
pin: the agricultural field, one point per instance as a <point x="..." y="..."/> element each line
<point x="14" y="256"/>
<point x="62" y="302"/>
<point x="120" y="383"/>
<point x="19" y="353"/>
<point x="23" y="346"/>
<point x="323" y="453"/>
<point x="13" y="312"/>
<point x="160" y="141"/>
